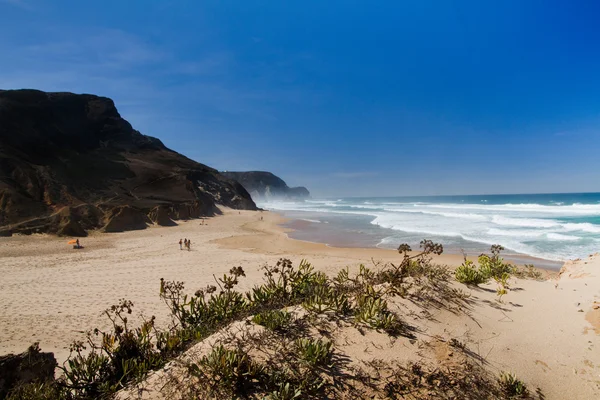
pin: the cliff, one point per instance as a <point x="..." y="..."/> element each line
<point x="69" y="163"/>
<point x="266" y="186"/>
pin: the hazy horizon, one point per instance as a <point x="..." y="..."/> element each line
<point x="456" y="195"/>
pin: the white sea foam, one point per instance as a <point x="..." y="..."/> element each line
<point x="516" y="233"/>
<point x="547" y="231"/>
<point x="524" y="222"/>
<point x="584" y="227"/>
<point x="561" y="237"/>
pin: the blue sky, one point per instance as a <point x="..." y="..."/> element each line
<point x="345" y="97"/>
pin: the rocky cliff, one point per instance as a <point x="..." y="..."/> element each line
<point x="70" y="163"/>
<point x="266" y="186"/>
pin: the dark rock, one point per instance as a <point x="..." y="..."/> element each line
<point x="161" y="215"/>
<point x="126" y="218"/>
<point x="71" y="228"/>
<point x="266" y="186"/>
<point x="30" y="366"/>
<point x="62" y="150"/>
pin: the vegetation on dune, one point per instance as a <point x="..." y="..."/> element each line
<point x="289" y="353"/>
<point x="493" y="267"/>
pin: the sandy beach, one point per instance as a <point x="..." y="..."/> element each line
<point x="547" y="332"/>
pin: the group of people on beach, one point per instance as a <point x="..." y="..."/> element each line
<point x="187" y="243"/>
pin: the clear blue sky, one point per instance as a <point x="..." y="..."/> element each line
<point x="346" y="97"/>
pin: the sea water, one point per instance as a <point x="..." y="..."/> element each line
<point x="550" y="226"/>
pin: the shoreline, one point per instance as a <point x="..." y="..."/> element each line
<point x="347" y="224"/>
<point x="452" y="256"/>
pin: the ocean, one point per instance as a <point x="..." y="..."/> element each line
<point x="554" y="227"/>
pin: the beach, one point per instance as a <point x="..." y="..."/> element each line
<point x="547" y="332"/>
<point x="52" y="293"/>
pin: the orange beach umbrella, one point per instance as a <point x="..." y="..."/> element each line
<point x="72" y="241"/>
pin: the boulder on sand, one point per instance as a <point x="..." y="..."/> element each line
<point x="27" y="367"/>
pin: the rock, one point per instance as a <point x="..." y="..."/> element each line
<point x="126" y="218"/>
<point x="161" y="215"/>
<point x="71" y="228"/>
<point x="266" y="186"/>
<point x="30" y="366"/>
<point x="69" y="163"/>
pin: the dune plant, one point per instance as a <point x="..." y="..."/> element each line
<point x="226" y="369"/>
<point x="468" y="274"/>
<point x="528" y="271"/>
<point x="285" y="392"/>
<point x="123" y="354"/>
<point x="38" y="391"/>
<point x="490" y="267"/>
<point x="275" y="320"/>
<point x="315" y="352"/>
<point x="511" y="385"/>
<point x="323" y="299"/>
<point x="373" y="311"/>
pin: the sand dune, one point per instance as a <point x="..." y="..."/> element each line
<point x="547" y="332"/>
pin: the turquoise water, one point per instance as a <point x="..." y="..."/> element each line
<point x="550" y="226"/>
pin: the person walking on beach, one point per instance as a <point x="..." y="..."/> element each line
<point x="189" y="245"/>
<point x="185" y="242"/>
<point x="180" y="244"/>
<point x="78" y="246"/>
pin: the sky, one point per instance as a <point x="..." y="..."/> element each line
<point x="347" y="98"/>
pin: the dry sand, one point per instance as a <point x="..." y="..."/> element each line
<point x="547" y="332"/>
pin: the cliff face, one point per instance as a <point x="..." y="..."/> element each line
<point x="69" y="163"/>
<point x="266" y="186"/>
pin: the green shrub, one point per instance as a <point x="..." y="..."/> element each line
<point x="324" y="299"/>
<point x="467" y="273"/>
<point x="275" y="320"/>
<point x="121" y="355"/>
<point x="285" y="392"/>
<point x="315" y="353"/>
<point x="493" y="267"/>
<point x="229" y="370"/>
<point x="511" y="385"/>
<point x="373" y="312"/>
<point x="38" y="391"/>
